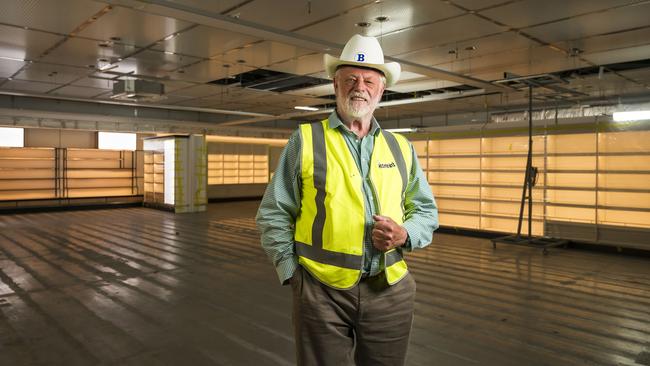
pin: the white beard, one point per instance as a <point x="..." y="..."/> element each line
<point x="354" y="109"/>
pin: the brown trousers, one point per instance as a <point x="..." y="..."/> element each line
<point x="366" y="325"/>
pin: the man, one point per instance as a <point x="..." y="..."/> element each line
<point x="346" y="199"/>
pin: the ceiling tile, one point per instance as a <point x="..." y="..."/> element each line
<point x="61" y="16"/>
<point x="10" y="67"/>
<point x="207" y="71"/>
<point x="458" y="29"/>
<point x="133" y="27"/>
<point x="264" y="54"/>
<point x="594" y="24"/>
<point x="522" y="14"/>
<point x="52" y="73"/>
<point x="200" y="91"/>
<point x="402" y="15"/>
<point x="291" y="14"/>
<point x="84" y="52"/>
<point x="27" y="86"/>
<point x="205" y="42"/>
<point x="25" y="44"/>
<point x="153" y="63"/>
<point x="480" y="4"/>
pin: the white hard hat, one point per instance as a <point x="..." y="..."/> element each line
<point x="364" y="52"/>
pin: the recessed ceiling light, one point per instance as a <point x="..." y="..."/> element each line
<point x="363" y="24"/>
<point x="305" y="108"/>
<point x="382" y="18"/>
<point x="169" y="53"/>
<point x="170" y="36"/>
<point x="470" y="48"/>
<point x="631" y="116"/>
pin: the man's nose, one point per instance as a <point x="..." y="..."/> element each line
<point x="360" y="85"/>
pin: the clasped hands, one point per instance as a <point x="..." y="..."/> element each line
<point x="387" y="234"/>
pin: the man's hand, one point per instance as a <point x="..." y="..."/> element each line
<point x="387" y="234"/>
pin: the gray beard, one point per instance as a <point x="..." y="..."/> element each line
<point x="348" y="109"/>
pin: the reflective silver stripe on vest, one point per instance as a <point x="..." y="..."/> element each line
<point x="320" y="255"/>
<point x="320" y="171"/>
<point x="315" y="251"/>
<point x="392" y="258"/>
<point x="397" y="155"/>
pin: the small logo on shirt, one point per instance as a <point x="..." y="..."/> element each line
<point x="386" y="165"/>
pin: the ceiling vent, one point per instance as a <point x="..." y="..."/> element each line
<point x="136" y="90"/>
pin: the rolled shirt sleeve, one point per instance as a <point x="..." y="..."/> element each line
<point x="421" y="211"/>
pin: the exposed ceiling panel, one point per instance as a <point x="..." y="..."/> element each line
<point x="400" y="15"/>
<point x="593" y="24"/>
<point x="153" y="63"/>
<point x="204" y="42"/>
<point x="261" y="55"/>
<point x="90" y="82"/>
<point x="61" y="16"/>
<point x="453" y="30"/>
<point x="10" y="67"/>
<point x="85" y="52"/>
<point x="24" y="44"/>
<point x="211" y="5"/>
<point x="52" y="73"/>
<point x="480" y="4"/>
<point x="133" y="27"/>
<point x="199" y="91"/>
<point x="520" y="14"/>
<point x="28" y="86"/>
<point x="615" y="56"/>
<point x="186" y="44"/>
<point x="490" y="45"/>
<point x="206" y="71"/>
<point x="290" y="14"/>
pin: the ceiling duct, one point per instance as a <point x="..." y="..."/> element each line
<point x="137" y="90"/>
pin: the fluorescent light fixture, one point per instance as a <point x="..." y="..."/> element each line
<point x="107" y="67"/>
<point x="12" y="137"/>
<point x="399" y="130"/>
<point x="305" y="108"/>
<point x="116" y="141"/>
<point x="631" y="116"/>
<point x="169" y="53"/>
<point x="170" y="36"/>
<point x="12" y="58"/>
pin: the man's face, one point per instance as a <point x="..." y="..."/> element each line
<point x="357" y="91"/>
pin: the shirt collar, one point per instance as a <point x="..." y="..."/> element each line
<point x="335" y="122"/>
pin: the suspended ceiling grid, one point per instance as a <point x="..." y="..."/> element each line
<point x="58" y="48"/>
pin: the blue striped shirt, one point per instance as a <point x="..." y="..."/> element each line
<point x="280" y="205"/>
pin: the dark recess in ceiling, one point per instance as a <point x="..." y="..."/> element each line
<point x="270" y="80"/>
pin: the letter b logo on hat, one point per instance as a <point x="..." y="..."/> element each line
<point x="361" y="57"/>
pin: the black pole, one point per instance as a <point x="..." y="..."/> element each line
<point x="529" y="164"/>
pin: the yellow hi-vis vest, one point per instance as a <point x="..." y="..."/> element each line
<point x="330" y="227"/>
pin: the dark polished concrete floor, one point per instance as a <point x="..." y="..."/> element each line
<point x="138" y="286"/>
